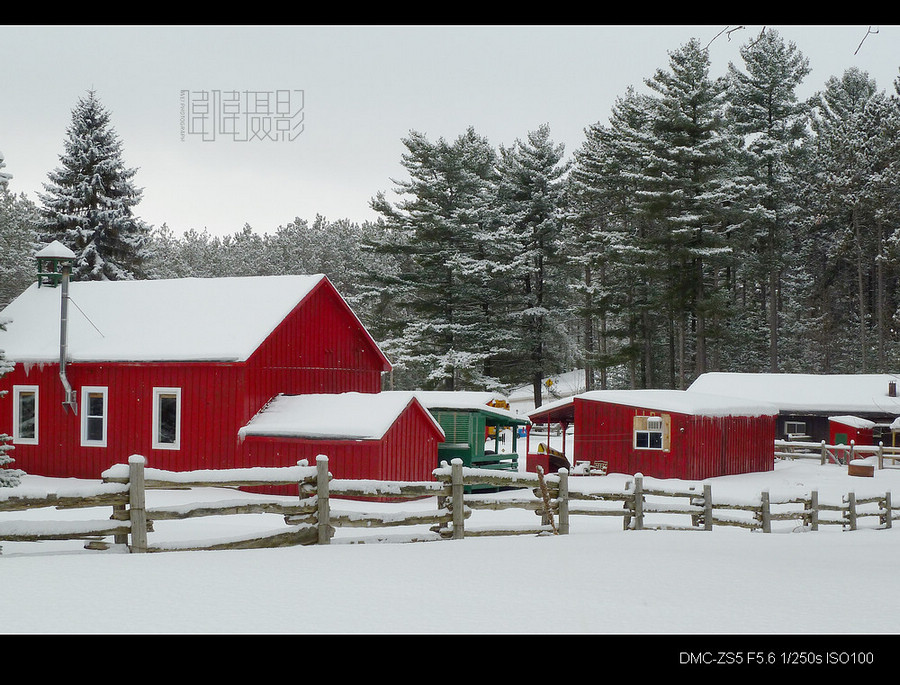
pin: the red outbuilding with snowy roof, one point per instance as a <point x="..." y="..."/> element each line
<point x="666" y="433"/>
<point x="174" y="369"/>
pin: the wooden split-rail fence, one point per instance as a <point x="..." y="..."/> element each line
<point x="836" y="454"/>
<point x="313" y="517"/>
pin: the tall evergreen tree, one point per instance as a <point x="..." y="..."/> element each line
<point x="765" y="111"/>
<point x="444" y="229"/>
<point x="18" y="240"/>
<point x="19" y="220"/>
<point x="606" y="239"/>
<point x="856" y="196"/>
<point x="686" y="191"/>
<point x="89" y="200"/>
<point x="530" y="204"/>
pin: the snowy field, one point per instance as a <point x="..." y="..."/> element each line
<point x="599" y="579"/>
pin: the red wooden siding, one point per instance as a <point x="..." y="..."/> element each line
<point x="320" y="347"/>
<point x="210" y="417"/>
<point x="408" y="451"/>
<point x="700" y="446"/>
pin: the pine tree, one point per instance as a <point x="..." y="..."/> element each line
<point x="8" y="477"/>
<point x="89" y="201"/>
<point x="19" y="219"/>
<point x="443" y="233"/>
<point x="765" y="111"/>
<point x="686" y="191"/>
<point x="606" y="240"/>
<point x="530" y="201"/>
<point x="855" y="194"/>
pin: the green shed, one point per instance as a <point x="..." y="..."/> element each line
<point x="474" y="425"/>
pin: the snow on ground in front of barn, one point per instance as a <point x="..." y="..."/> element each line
<point x="598" y="579"/>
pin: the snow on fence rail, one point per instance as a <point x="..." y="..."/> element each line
<point x="313" y="517"/>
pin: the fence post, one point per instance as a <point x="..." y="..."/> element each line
<point x="323" y="511"/>
<point x="563" y="502"/>
<point x="765" y="512"/>
<point x="851" y="510"/>
<point x="888" y="515"/>
<point x="880" y="455"/>
<point x="814" y="510"/>
<point x="638" y="502"/>
<point x="707" y="507"/>
<point x="456" y="499"/>
<point x="824" y="452"/>
<point x="137" y="511"/>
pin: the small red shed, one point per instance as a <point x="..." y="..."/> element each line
<point x="383" y="436"/>
<point x="169" y="369"/>
<point x="843" y="430"/>
<point x="667" y="433"/>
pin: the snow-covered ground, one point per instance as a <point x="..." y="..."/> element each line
<point x="597" y="579"/>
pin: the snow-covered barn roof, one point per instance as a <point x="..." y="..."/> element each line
<point x="185" y="319"/>
<point x="339" y="416"/>
<point x="810" y="393"/>
<point x="852" y="421"/>
<point x="678" y="401"/>
<point x="467" y="401"/>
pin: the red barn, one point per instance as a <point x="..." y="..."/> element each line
<point x="842" y="430"/>
<point x="667" y="433"/>
<point x="170" y="369"/>
<point x="364" y="435"/>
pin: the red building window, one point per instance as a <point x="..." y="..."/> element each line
<point x="167" y="418"/>
<point x="25" y="414"/>
<point x="651" y="432"/>
<point x="93" y="416"/>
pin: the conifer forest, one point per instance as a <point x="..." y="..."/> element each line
<point x="704" y="224"/>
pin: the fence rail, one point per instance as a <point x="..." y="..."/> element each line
<point x="836" y="454"/>
<point x="313" y="517"/>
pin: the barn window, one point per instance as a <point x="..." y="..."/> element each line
<point x="93" y="416"/>
<point x="167" y="418"/>
<point x="651" y="432"/>
<point x="25" y="414"/>
<point x="795" y="428"/>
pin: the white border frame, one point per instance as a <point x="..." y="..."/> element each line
<point x="85" y="391"/>
<point x="17" y="391"/>
<point x="154" y="428"/>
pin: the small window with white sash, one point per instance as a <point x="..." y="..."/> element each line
<point x="167" y="418"/>
<point x="25" y="415"/>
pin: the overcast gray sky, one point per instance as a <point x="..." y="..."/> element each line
<point x="363" y="89"/>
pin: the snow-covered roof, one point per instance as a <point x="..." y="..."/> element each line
<point x="852" y="421"/>
<point x="465" y="400"/>
<point x="835" y="394"/>
<point x="339" y="416"/>
<point x="55" y="250"/>
<point x="678" y="401"/>
<point x="185" y="319"/>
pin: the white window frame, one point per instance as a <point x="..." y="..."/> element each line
<point x="86" y="391"/>
<point x="18" y="390"/>
<point x="652" y="425"/>
<point x="798" y="426"/>
<point x="157" y="394"/>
